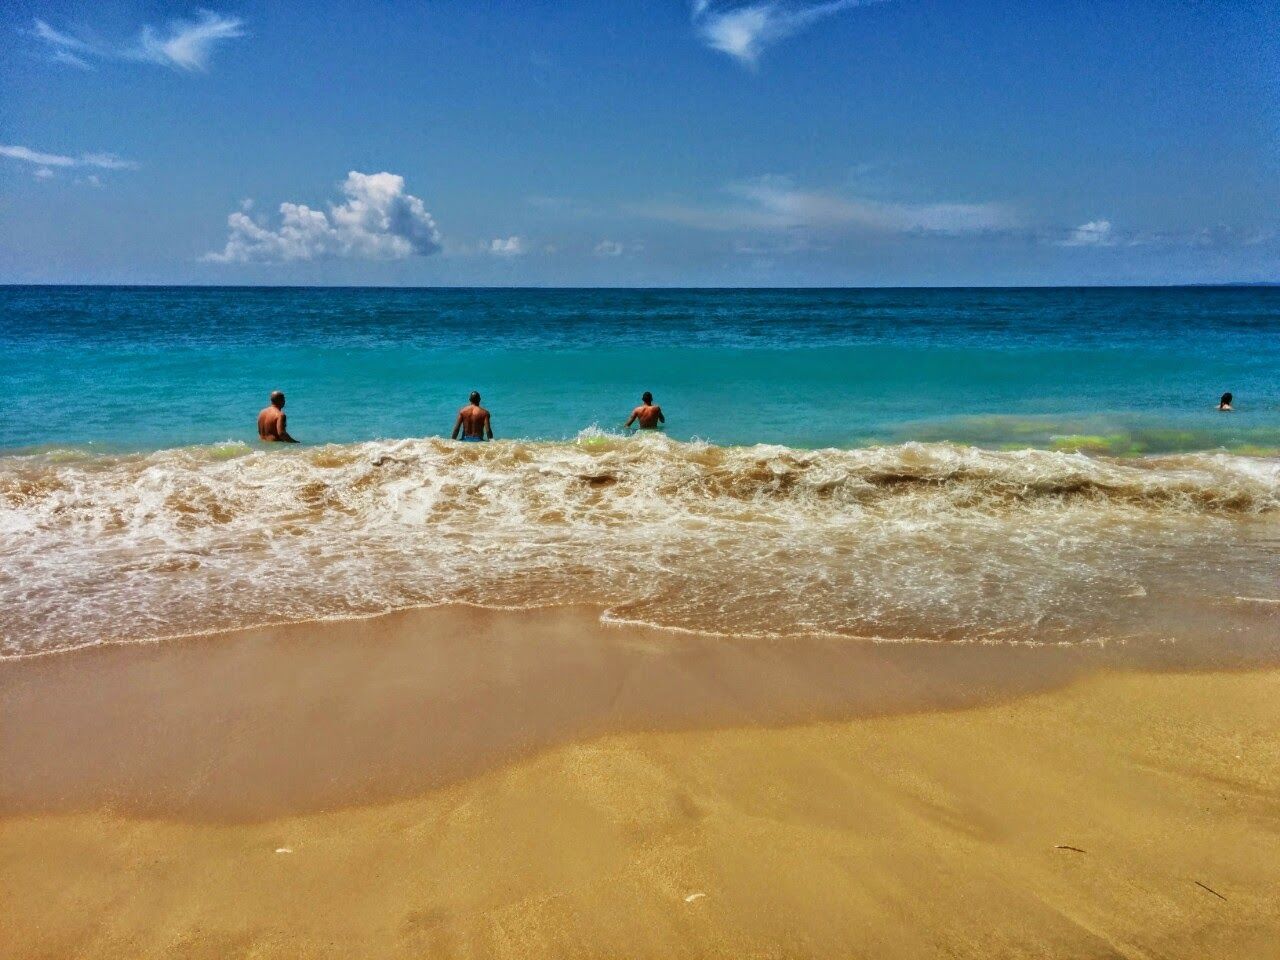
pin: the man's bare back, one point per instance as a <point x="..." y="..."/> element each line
<point x="648" y="415"/>
<point x="473" y="422"/>
<point x="272" y="423"/>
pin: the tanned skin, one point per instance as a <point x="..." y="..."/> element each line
<point x="473" y="421"/>
<point x="271" y="422"/>
<point x="648" y="415"/>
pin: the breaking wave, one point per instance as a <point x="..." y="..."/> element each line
<point x="918" y="541"/>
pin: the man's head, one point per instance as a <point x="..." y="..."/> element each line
<point x="647" y="399"/>
<point x="277" y="398"/>
<point x="475" y="397"/>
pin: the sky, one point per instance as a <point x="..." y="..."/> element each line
<point x="640" y="142"/>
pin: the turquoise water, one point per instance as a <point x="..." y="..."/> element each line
<point x="985" y="466"/>
<point x="1123" y="371"/>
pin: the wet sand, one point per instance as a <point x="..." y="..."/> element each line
<point x="460" y="782"/>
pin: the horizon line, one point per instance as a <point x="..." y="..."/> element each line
<point x="1236" y="284"/>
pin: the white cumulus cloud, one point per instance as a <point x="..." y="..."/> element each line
<point x="377" y="221"/>
<point x="508" y="247"/>
<point x="743" y="30"/>
<point x="180" y="44"/>
<point x="1095" y="233"/>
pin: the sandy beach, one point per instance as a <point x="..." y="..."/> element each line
<point x="701" y="480"/>
<point x="457" y="782"/>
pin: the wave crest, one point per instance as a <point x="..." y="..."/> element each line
<point x="918" y="540"/>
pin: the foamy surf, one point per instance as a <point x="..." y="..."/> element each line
<point x="912" y="542"/>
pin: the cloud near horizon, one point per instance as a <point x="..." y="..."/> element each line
<point x="742" y="31"/>
<point x="181" y="45"/>
<point x="377" y="221"/>
<point x="775" y="203"/>
<point x="1095" y="233"/>
<point x="1103" y="233"/>
<point x="512" y="246"/>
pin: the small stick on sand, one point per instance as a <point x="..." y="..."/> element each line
<point x="1063" y="846"/>
<point x="1211" y="890"/>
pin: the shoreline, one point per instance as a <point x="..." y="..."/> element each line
<point x="418" y="699"/>
<point x="475" y="783"/>
<point x="310" y="716"/>
<point x="900" y="544"/>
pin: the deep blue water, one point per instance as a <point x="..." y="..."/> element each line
<point x="1106" y="370"/>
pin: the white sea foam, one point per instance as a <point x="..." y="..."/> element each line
<point x="920" y="541"/>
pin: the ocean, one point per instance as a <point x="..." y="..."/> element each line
<point x="1039" y="466"/>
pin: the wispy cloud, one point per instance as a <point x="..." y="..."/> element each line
<point x="1103" y="233"/>
<point x="775" y="203"/>
<point x="35" y="156"/>
<point x="62" y="41"/>
<point x="610" y="248"/>
<point x="743" y="30"/>
<point x="507" y="247"/>
<point x="47" y="161"/>
<point x="377" y="221"/>
<point x="180" y="44"/>
<point x="71" y="60"/>
<point x="188" y="43"/>
<point x="107" y="161"/>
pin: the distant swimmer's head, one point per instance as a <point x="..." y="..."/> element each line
<point x="1225" y="402"/>
<point x="277" y="398"/>
<point x="647" y="399"/>
<point x="475" y="397"/>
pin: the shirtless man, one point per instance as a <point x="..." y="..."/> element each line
<point x="271" y="421"/>
<point x="648" y="414"/>
<point x="473" y="421"/>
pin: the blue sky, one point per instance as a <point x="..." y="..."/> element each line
<point x="640" y="143"/>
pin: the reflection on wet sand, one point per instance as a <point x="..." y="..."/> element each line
<point x="314" y="716"/>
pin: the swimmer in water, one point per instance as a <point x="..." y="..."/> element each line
<point x="473" y="422"/>
<point x="648" y="415"/>
<point x="1225" y="402"/>
<point x="271" y="421"/>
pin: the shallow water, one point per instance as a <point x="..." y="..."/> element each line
<point x="966" y="466"/>
<point x="910" y="542"/>
<point x="1119" y="371"/>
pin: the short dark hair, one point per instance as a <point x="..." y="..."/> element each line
<point x="1226" y="399"/>
<point x="647" y="397"/>
<point x="277" y="395"/>
<point x="475" y="396"/>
